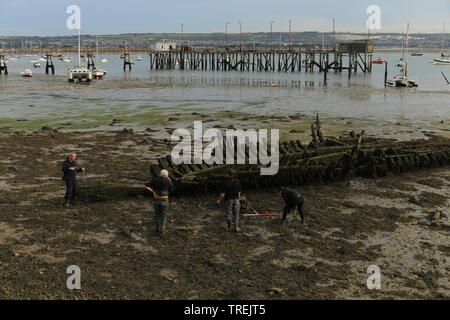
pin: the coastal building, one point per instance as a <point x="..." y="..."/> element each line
<point x="164" y="46"/>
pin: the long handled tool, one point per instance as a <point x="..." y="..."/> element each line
<point x="256" y="213"/>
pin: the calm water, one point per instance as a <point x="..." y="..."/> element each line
<point x="144" y="97"/>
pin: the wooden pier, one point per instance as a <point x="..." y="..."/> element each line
<point x="351" y="56"/>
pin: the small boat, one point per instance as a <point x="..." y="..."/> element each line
<point x="417" y="53"/>
<point x="104" y="60"/>
<point x="67" y="60"/>
<point x="36" y="65"/>
<point x="444" y="61"/>
<point x="98" y="73"/>
<point x="379" y="61"/>
<point x="403" y="80"/>
<point x="27" y="73"/>
<point x="401" y="61"/>
<point x="139" y="58"/>
<point x="80" y="74"/>
<point x="445" y="58"/>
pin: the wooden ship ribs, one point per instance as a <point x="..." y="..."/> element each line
<point x="321" y="161"/>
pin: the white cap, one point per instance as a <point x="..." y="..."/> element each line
<point x="164" y="173"/>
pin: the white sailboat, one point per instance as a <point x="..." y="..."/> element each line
<point x="79" y="73"/>
<point x="401" y="61"/>
<point x="98" y="73"/>
<point x="418" y="52"/>
<point x="403" y="80"/>
<point x="445" y="58"/>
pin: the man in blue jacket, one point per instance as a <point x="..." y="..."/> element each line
<point x="70" y="169"/>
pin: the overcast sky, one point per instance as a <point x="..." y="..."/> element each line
<point x="48" y="17"/>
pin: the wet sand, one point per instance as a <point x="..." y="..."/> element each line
<point x="349" y="226"/>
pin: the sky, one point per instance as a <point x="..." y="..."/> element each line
<point x="48" y="17"/>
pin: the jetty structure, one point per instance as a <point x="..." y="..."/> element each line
<point x="352" y="56"/>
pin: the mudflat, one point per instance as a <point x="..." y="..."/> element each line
<point x="350" y="225"/>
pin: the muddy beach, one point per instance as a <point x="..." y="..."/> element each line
<point x="350" y="225"/>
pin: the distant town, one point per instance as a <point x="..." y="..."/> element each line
<point x="249" y="40"/>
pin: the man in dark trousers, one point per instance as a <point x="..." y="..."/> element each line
<point x="292" y="199"/>
<point x="70" y="169"/>
<point x="231" y="193"/>
<point x="160" y="187"/>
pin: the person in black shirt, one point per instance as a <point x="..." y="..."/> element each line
<point x="70" y="169"/>
<point x="291" y="199"/>
<point x="230" y="193"/>
<point x="160" y="187"/>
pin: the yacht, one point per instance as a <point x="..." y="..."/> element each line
<point x="98" y="73"/>
<point x="445" y="58"/>
<point x="79" y="73"/>
<point x="403" y="80"/>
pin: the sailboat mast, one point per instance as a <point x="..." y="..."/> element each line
<point x="443" y="33"/>
<point x="79" y="48"/>
<point x="96" y="54"/>
<point x="403" y="46"/>
<point x="406" y="51"/>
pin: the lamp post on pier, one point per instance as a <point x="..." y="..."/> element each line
<point x="290" y="39"/>
<point x="226" y="35"/>
<point x="270" y="44"/>
<point x="240" y="35"/>
<point x="182" y="36"/>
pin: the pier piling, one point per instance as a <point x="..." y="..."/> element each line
<point x="3" y="66"/>
<point x="49" y="64"/>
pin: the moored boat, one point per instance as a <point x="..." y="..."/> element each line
<point x="80" y="74"/>
<point x="445" y="58"/>
<point x="379" y="61"/>
<point x="403" y="80"/>
<point x="27" y="73"/>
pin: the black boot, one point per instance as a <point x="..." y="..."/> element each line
<point x="229" y="224"/>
